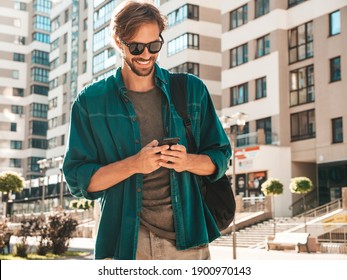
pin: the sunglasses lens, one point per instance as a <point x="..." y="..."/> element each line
<point x="154" y="47"/>
<point x="136" y="48"/>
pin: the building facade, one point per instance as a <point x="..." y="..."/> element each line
<point x="279" y="62"/>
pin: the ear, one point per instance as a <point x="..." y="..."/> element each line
<point x="118" y="43"/>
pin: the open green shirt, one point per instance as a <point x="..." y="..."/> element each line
<point x="104" y="129"/>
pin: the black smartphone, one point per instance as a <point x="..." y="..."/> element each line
<point x="169" y="141"/>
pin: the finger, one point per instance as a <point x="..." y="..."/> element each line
<point x="153" y="143"/>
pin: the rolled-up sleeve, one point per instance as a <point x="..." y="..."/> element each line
<point x="213" y="139"/>
<point x="80" y="160"/>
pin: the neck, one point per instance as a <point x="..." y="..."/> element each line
<point x="134" y="82"/>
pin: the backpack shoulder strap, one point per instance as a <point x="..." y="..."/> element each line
<point x="178" y="89"/>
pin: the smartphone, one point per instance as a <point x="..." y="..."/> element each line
<point x="169" y="141"/>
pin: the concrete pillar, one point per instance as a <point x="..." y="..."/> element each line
<point x="268" y="205"/>
<point x="344" y="198"/>
<point x="239" y="203"/>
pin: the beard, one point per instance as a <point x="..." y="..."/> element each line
<point x="139" y="71"/>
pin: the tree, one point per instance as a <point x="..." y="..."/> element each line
<point x="301" y="185"/>
<point x="272" y="187"/>
<point x="10" y="182"/>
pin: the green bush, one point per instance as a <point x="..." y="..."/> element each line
<point x="272" y="187"/>
<point x="300" y="185"/>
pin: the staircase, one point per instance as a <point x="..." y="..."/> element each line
<point x="255" y="236"/>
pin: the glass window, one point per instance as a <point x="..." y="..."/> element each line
<point x="335" y="23"/>
<point x="300" y="42"/>
<point x="187" y="40"/>
<point x="41" y="37"/>
<point x="239" y="94"/>
<point x="16" y="145"/>
<point x="42" y="23"/>
<point x="187" y="11"/>
<point x="188" y="67"/>
<point x="43" y="6"/>
<point x="265" y="124"/>
<point x="303" y="125"/>
<point x="38" y="110"/>
<point x="302" y="86"/>
<point x="18" y="92"/>
<point x="261" y="7"/>
<point x="38" y="128"/>
<point x="39" y="75"/>
<point x="238" y="17"/>
<point x="37" y="143"/>
<point x="263" y="46"/>
<point x="15" y="162"/>
<point x="335" y="69"/>
<point x="40" y="57"/>
<point x="13" y="127"/>
<point x="18" y="57"/>
<point x="337" y="130"/>
<point x="239" y="55"/>
<point x="260" y="85"/>
<point x="292" y="3"/>
<point x="17" y="109"/>
<point x="37" y="89"/>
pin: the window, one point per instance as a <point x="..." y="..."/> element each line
<point x="65" y="38"/>
<point x="302" y="86"/>
<point x="263" y="46"/>
<point x="15" y="162"/>
<point x="335" y="23"/>
<point x="266" y="125"/>
<point x="238" y="17"/>
<point x="64" y="98"/>
<point x="17" y="109"/>
<point x="261" y="7"/>
<point x="85" y="45"/>
<point x="55" y="44"/>
<point x="84" y="67"/>
<point x="104" y="13"/>
<point x="16" y="145"/>
<point x="18" y="57"/>
<point x="188" y="67"/>
<point x="85" y="24"/>
<point x="18" y="92"/>
<point x="15" y="74"/>
<point x="62" y="140"/>
<point x="301" y="42"/>
<point x="33" y="166"/>
<point x="335" y="69"/>
<point x="187" y="11"/>
<point x="337" y="130"/>
<point x="13" y="127"/>
<point x="66" y="16"/>
<point x="65" y="57"/>
<point x="185" y="41"/>
<point x="292" y="3"/>
<point x="239" y="94"/>
<point x="53" y="122"/>
<point x="53" y="103"/>
<point x="42" y="23"/>
<point x="39" y="75"/>
<point x="65" y="78"/>
<point x="239" y="55"/>
<point x="42" y="6"/>
<point x="54" y="64"/>
<point x="40" y="57"/>
<point x="38" y="110"/>
<point x="260" y="88"/>
<point x="55" y="24"/>
<point x="303" y="125"/>
<point x="41" y="37"/>
<point x="38" y="128"/>
<point x="20" y="6"/>
<point x="41" y="90"/>
<point x="37" y="143"/>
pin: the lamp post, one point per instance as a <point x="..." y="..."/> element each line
<point x="44" y="164"/>
<point x="240" y="122"/>
<point x="59" y="160"/>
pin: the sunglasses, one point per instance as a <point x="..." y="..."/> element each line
<point x="138" y="48"/>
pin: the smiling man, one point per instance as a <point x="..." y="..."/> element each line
<point x="151" y="206"/>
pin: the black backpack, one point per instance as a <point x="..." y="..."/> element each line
<point x="218" y="196"/>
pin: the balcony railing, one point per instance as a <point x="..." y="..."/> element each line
<point x="257" y="138"/>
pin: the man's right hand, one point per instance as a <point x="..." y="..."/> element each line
<point x="147" y="160"/>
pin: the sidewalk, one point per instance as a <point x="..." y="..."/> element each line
<point x="226" y="252"/>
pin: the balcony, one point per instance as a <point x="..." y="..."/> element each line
<point x="257" y="138"/>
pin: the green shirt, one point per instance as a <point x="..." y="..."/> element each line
<point x="104" y="129"/>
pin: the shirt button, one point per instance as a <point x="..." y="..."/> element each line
<point x="138" y="189"/>
<point x="137" y="141"/>
<point x="139" y="214"/>
<point x="126" y="100"/>
<point x="134" y="119"/>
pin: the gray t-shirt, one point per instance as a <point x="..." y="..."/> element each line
<point x="156" y="213"/>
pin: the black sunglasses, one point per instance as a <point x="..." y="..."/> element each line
<point x="138" y="48"/>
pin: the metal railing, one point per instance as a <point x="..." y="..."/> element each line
<point x="253" y="204"/>
<point x="324" y="209"/>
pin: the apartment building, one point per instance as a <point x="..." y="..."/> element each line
<point x="24" y="76"/>
<point x="283" y="66"/>
<point x="280" y="62"/>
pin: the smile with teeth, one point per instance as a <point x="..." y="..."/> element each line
<point x="143" y="62"/>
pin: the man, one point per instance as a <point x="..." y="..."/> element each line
<point x="151" y="206"/>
